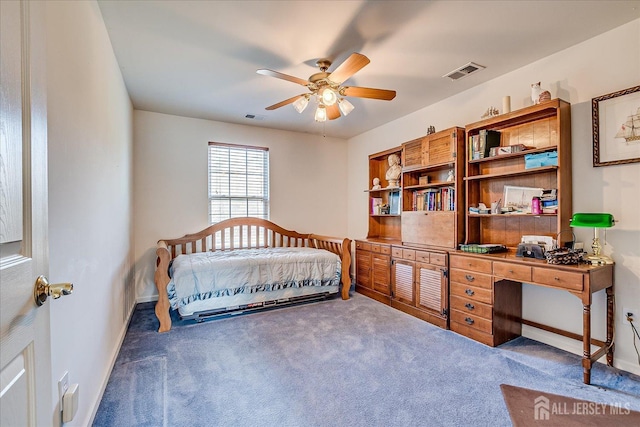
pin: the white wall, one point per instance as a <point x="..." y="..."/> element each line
<point x="578" y="74"/>
<point x="90" y="199"/>
<point x="308" y="179"/>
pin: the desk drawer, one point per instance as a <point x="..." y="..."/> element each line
<point x="470" y="263"/>
<point x="472" y="293"/>
<point x="375" y="248"/>
<point x="558" y="279"/>
<point x="363" y="246"/>
<point x="409" y="254"/>
<point x="472" y="307"/>
<point x="473" y="333"/>
<point x="422" y="257"/>
<point x="471" y="278"/>
<point x="438" y="259"/>
<point x="472" y="321"/>
<point x="519" y="273"/>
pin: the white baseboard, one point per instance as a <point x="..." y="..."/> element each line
<point x="148" y="298"/>
<point x="573" y="346"/>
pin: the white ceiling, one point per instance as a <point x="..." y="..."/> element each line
<point x="199" y="58"/>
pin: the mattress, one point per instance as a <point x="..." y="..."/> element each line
<point x="245" y="275"/>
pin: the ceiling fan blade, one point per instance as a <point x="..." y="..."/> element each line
<point x="367" y="92"/>
<point x="349" y="67"/>
<point x="333" y="112"/>
<point x="282" y="76"/>
<point x="283" y="103"/>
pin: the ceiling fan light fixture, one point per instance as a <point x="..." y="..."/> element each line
<point x="329" y="97"/>
<point x="321" y="113"/>
<point x="301" y="103"/>
<point x="345" y="106"/>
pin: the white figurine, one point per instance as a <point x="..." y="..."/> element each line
<point x="376" y="184"/>
<point x="393" y="173"/>
<point x="450" y="176"/>
<point x="535" y="93"/>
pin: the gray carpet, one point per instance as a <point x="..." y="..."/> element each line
<point x="334" y="363"/>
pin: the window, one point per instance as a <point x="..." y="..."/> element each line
<point x="238" y="182"/>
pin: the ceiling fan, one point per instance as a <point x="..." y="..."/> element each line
<point x="326" y="87"/>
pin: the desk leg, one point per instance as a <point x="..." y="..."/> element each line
<point x="610" y="320"/>
<point x="586" y="343"/>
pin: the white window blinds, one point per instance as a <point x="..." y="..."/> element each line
<point x="238" y="182"/>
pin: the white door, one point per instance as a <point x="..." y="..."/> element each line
<point x="25" y="367"/>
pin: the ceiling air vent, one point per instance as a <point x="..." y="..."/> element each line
<point x="254" y="116"/>
<point x="463" y="71"/>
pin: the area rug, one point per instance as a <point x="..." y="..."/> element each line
<point x="534" y="408"/>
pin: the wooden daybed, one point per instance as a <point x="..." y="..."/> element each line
<point x="244" y="236"/>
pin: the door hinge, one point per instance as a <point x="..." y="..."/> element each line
<point x="445" y="272"/>
<point x="445" y="312"/>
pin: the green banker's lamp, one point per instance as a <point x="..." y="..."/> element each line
<point x="597" y="221"/>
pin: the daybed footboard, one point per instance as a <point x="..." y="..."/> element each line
<point x="342" y="248"/>
<point x="240" y="233"/>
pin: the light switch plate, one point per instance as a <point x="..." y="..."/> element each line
<point x="70" y="403"/>
<point x="63" y="386"/>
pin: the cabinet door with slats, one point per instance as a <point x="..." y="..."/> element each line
<point x="431" y="287"/>
<point x="381" y="273"/>
<point x="363" y="268"/>
<point x="402" y="281"/>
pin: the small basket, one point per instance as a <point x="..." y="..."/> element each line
<point x="563" y="256"/>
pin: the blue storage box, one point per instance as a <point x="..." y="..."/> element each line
<point x="539" y="160"/>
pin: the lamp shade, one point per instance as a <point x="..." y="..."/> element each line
<point x="321" y="113"/>
<point x="345" y="106"/>
<point x="593" y="220"/>
<point x="301" y="103"/>
<point x="329" y="97"/>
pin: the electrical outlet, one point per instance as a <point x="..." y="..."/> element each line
<point x="63" y="386"/>
<point x="633" y="314"/>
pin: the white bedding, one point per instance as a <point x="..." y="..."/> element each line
<point x="207" y="275"/>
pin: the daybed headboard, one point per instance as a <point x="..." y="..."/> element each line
<point x="241" y="233"/>
<point x="238" y="233"/>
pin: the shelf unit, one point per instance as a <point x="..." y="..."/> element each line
<point x="544" y="128"/>
<point x="385" y="227"/>
<point x="432" y="196"/>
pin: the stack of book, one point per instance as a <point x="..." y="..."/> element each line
<point x="549" y="201"/>
<point x="434" y="199"/>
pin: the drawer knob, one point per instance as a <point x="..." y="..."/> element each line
<point x="470" y="306"/>
<point x="556" y="278"/>
<point x="468" y="320"/>
<point x="470" y="278"/>
<point x="469" y="292"/>
<point x="511" y="271"/>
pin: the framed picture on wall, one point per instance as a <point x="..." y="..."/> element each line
<point x="616" y="127"/>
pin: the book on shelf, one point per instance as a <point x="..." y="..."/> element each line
<point x="434" y="199"/>
<point x="394" y="203"/>
<point x="474" y="147"/>
<point x="488" y="140"/>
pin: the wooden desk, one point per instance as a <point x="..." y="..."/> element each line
<point x="486" y="298"/>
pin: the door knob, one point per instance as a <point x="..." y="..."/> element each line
<point x="42" y="290"/>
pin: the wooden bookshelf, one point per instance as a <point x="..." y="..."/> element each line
<point x="542" y="128"/>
